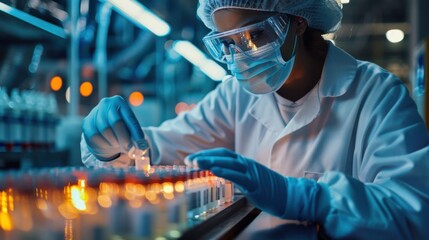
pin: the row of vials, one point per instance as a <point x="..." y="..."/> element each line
<point x="80" y="203"/>
<point x="28" y="121"/>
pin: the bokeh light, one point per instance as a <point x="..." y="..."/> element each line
<point x="181" y="107"/>
<point x="56" y="83"/>
<point x="184" y="107"/>
<point x="136" y="99"/>
<point x="395" y="35"/>
<point x="86" y="89"/>
<point x="68" y="95"/>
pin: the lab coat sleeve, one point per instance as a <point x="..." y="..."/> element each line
<point x="210" y="124"/>
<point x="390" y="200"/>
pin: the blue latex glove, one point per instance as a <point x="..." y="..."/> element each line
<point x="111" y="128"/>
<point x="285" y="197"/>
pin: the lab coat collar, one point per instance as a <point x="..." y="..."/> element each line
<point x="266" y="111"/>
<point x="337" y="75"/>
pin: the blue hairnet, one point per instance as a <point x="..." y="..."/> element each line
<point x="324" y="15"/>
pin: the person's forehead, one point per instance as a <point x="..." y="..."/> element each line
<point x="231" y="18"/>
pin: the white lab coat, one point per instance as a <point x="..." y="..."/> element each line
<point x="360" y="124"/>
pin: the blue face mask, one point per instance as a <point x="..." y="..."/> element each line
<point x="263" y="70"/>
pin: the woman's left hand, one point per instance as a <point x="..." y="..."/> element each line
<point x="266" y="189"/>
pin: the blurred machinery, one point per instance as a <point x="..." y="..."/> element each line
<point x="420" y="76"/>
<point x="80" y="51"/>
<point x="168" y="202"/>
<point x="28" y="114"/>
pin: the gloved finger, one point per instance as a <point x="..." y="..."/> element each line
<point x="130" y="121"/>
<point x="221" y="152"/>
<point x="222" y="162"/>
<point x="91" y="133"/>
<point x="104" y="154"/>
<point x="236" y="177"/>
<point x="97" y="144"/>
<point x="119" y="130"/>
<point x="101" y="123"/>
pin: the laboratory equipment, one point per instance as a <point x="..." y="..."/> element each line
<point x="102" y="203"/>
<point x="420" y="80"/>
<point x="28" y="121"/>
<point x="141" y="157"/>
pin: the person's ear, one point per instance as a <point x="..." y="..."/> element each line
<point x="302" y="25"/>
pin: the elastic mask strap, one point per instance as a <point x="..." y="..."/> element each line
<point x="287" y="31"/>
<point x="280" y="57"/>
<point x="294" y="47"/>
<point x="232" y="51"/>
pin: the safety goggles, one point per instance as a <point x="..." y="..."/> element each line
<point x="222" y="46"/>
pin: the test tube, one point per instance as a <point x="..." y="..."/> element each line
<point x="141" y="158"/>
<point x="125" y="203"/>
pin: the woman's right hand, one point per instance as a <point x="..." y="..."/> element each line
<point x="111" y="128"/>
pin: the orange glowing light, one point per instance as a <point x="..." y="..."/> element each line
<point x="3" y="202"/>
<point x="68" y="211"/>
<point x="11" y="205"/>
<point x="179" y="186"/>
<point x="105" y="187"/>
<point x="181" y="107"/>
<point x="6" y="222"/>
<point x="86" y="89"/>
<point x="115" y="188"/>
<point x="78" y="198"/>
<point x="140" y="190"/>
<point x="104" y="201"/>
<point x="87" y="71"/>
<point x="42" y="204"/>
<point x="56" y="83"/>
<point x="156" y="187"/>
<point x="129" y="196"/>
<point x="82" y="183"/>
<point x="136" y="203"/>
<point x="151" y="196"/>
<point x="167" y="187"/>
<point x="130" y="187"/>
<point x="156" y="201"/>
<point x="168" y="196"/>
<point x="136" y="99"/>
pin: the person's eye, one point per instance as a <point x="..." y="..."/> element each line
<point x="226" y="42"/>
<point x="256" y="34"/>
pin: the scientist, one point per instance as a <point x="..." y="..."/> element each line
<point x="305" y="130"/>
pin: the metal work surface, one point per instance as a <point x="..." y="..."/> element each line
<point x="266" y="226"/>
<point x="226" y="223"/>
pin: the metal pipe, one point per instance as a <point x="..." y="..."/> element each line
<point x="73" y="59"/>
<point x="159" y="74"/>
<point x="101" y="48"/>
